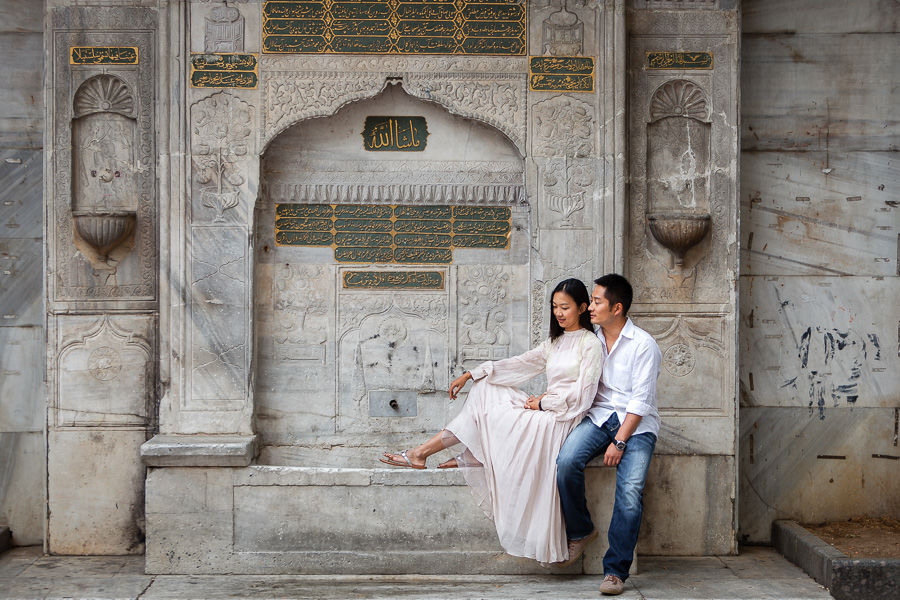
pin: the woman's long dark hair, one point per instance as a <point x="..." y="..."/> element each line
<point x="576" y="290"/>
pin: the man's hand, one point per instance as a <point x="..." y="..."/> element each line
<point x="613" y="456"/>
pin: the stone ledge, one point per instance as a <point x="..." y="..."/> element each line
<point x="5" y="538"/>
<point x="199" y="450"/>
<point x="845" y="578"/>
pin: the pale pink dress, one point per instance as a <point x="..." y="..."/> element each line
<point x="515" y="482"/>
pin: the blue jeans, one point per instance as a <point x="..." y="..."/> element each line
<point x="584" y="443"/>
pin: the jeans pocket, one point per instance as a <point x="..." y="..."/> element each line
<point x="612" y="423"/>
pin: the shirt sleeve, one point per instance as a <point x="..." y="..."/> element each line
<point x="575" y="400"/>
<point x="644" y="375"/>
<point x="516" y="370"/>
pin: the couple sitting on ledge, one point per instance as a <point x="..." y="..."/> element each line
<point x="525" y="456"/>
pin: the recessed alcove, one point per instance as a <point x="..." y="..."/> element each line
<point x="379" y="273"/>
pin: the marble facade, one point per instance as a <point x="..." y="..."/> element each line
<point x="179" y="382"/>
<point x="198" y="318"/>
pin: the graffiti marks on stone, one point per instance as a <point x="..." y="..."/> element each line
<point x="832" y="364"/>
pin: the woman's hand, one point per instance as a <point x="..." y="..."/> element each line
<point x="457" y="384"/>
<point x="534" y="402"/>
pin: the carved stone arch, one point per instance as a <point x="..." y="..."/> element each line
<point x="498" y="101"/>
<point x="495" y="101"/>
<point x="679" y="98"/>
<point x="488" y="179"/>
<point x="104" y="93"/>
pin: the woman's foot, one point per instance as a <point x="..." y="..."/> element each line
<point x="453" y="463"/>
<point x="402" y="459"/>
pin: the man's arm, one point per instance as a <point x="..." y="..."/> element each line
<point x="643" y="394"/>
<point x="613" y="455"/>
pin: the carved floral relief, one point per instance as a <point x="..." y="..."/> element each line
<point x="221" y="144"/>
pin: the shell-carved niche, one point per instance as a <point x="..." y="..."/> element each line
<point x="104" y="190"/>
<point x="678" y="166"/>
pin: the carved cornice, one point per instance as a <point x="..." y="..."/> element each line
<point x="395" y="65"/>
<point x="394" y="194"/>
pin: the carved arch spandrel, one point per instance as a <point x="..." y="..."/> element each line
<point x="497" y="100"/>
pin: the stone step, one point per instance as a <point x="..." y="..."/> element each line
<point x="307" y="520"/>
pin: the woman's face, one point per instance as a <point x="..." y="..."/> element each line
<point x="566" y="311"/>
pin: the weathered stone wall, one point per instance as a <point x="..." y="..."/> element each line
<point x="22" y="359"/>
<point x="819" y="276"/>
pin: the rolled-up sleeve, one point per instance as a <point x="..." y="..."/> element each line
<point x="645" y="372"/>
<point x="513" y="371"/>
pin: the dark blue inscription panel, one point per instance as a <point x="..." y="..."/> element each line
<point x="372" y="233"/>
<point x="495" y="27"/>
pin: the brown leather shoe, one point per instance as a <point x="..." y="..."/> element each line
<point x="612" y="586"/>
<point x="576" y="548"/>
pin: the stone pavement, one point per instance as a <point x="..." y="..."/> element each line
<point x="758" y="573"/>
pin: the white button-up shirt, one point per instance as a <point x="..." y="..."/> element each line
<point x="628" y="383"/>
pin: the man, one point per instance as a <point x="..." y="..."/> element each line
<point x="622" y="424"/>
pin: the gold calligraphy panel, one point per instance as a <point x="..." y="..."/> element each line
<point x="679" y="60"/>
<point x="393" y="280"/>
<point x="561" y="74"/>
<point x="397" y="134"/>
<point x="483" y="27"/>
<point x="224" y="70"/>
<point x="103" y="55"/>
<point x="374" y="233"/>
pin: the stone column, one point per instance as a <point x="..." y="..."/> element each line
<point x="101" y="232"/>
<point x="576" y="163"/>
<point x="210" y="162"/>
<point x="682" y="257"/>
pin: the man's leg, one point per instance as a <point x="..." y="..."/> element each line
<point x="628" y="508"/>
<point x="584" y="443"/>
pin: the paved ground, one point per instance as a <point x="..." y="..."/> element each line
<point x="758" y="573"/>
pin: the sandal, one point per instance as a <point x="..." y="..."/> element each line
<point x="388" y="460"/>
<point x="453" y="463"/>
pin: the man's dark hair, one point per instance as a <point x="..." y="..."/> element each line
<point x="617" y="291"/>
<point x="578" y="292"/>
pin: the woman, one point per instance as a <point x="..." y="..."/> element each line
<point x="512" y="439"/>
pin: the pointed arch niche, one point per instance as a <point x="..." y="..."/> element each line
<point x="379" y="273"/>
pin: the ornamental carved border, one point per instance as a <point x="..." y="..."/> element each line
<point x="495" y="99"/>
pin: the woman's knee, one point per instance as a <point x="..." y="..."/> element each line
<point x="569" y="464"/>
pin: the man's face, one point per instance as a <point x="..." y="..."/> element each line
<point x="602" y="313"/>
